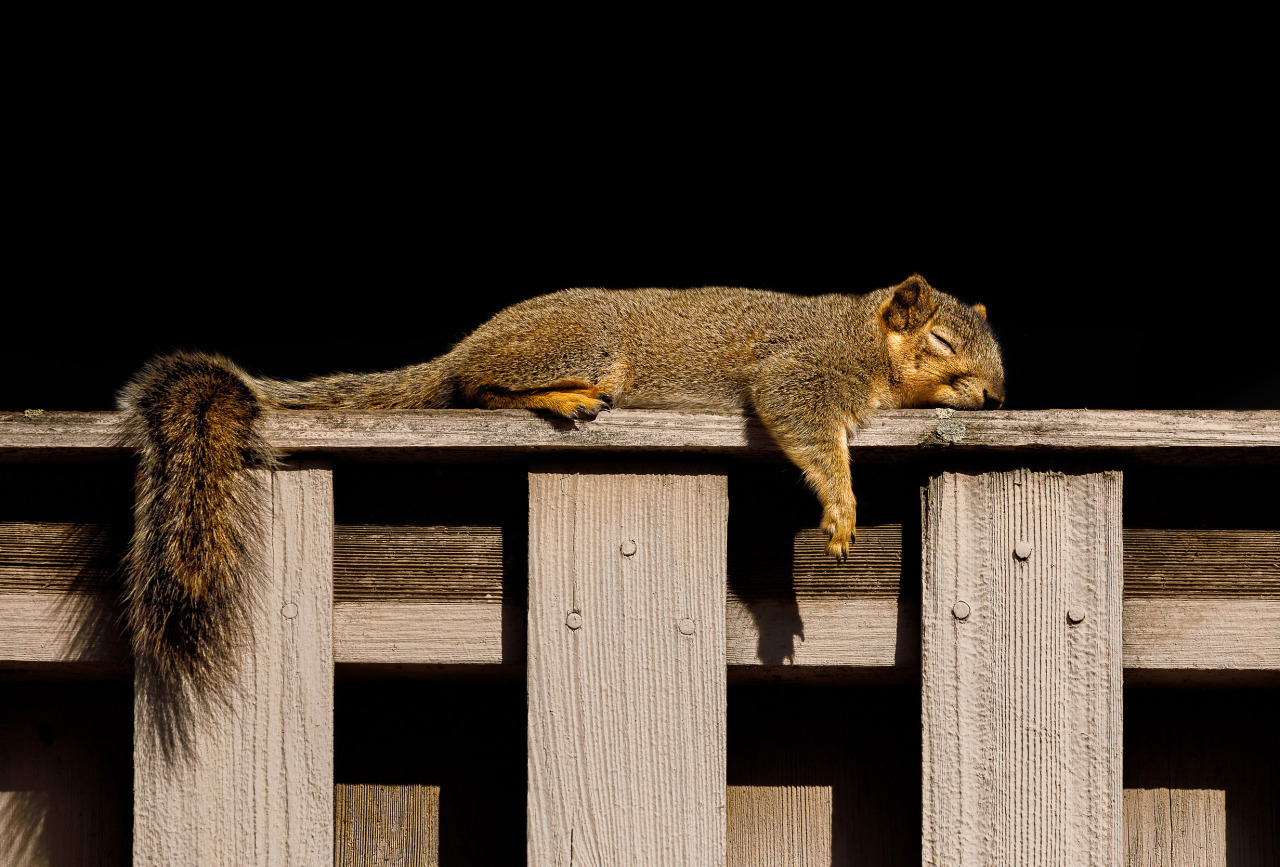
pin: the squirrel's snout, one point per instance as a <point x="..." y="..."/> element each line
<point x="992" y="400"/>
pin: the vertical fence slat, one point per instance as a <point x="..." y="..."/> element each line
<point x="1021" y="669"/>
<point x="256" y="785"/>
<point x="627" y="665"/>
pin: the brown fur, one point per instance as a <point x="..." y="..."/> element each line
<point x="810" y="368"/>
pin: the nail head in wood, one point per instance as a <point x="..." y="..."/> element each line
<point x="961" y="610"/>
<point x="686" y="627"/>
<point x="628" y="548"/>
<point x="1075" y="614"/>
<point x="1022" y="550"/>
<point x="289" y="611"/>
<point x="574" y="620"/>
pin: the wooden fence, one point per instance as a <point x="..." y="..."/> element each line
<point x="492" y="638"/>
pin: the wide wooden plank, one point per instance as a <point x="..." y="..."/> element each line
<point x="1251" y="435"/>
<point x="626" y="665"/>
<point x="1021" y="669"/>
<point x="251" y="780"/>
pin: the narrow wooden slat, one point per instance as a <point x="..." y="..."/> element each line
<point x="386" y="825"/>
<point x="254" y="784"/>
<point x="55" y="556"/>
<point x="434" y="633"/>
<point x="1201" y="562"/>
<point x="1021" y="703"/>
<point x="378" y="563"/>
<point x="1184" y="633"/>
<point x="760" y="569"/>
<point x="60" y="628"/>
<point x="1175" y="827"/>
<point x="1154" y="433"/>
<point x="871" y="632"/>
<point x="773" y="826"/>
<point x="626" y="666"/>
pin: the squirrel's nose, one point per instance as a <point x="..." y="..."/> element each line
<point x="992" y="401"/>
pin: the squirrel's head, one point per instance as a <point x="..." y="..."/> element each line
<point x="941" y="351"/>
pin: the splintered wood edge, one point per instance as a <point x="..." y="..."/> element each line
<point x="1175" y="638"/>
<point x="1251" y="435"/>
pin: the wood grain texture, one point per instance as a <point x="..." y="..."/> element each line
<point x="1182" y="633"/>
<point x="868" y="632"/>
<point x="627" y="710"/>
<point x="386" y="825"/>
<point x="1021" y="707"/>
<point x="1175" y="827"/>
<point x="255" y="785"/>
<point x="1201" y="562"/>
<point x="66" y="628"/>
<point x="771" y="826"/>
<point x="381" y="563"/>
<point x="61" y="435"/>
<point x="432" y="633"/>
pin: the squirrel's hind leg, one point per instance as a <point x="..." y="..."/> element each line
<point x="570" y="398"/>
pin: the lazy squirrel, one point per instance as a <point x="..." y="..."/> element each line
<point x="811" y="368"/>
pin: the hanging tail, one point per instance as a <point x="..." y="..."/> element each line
<point x="197" y="548"/>
<point x="197" y="534"/>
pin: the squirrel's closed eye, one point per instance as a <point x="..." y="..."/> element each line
<point x="941" y="343"/>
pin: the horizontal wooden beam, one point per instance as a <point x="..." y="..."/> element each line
<point x="1253" y="435"/>
<point x="449" y="564"/>
<point x="852" y="638"/>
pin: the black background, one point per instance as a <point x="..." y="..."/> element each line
<point x="305" y="208"/>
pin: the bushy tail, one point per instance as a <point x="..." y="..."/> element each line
<point x="197" y="535"/>
<point x="197" y="545"/>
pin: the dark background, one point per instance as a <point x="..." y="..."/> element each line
<point x="303" y="209"/>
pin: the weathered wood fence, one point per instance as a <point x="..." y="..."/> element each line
<point x="490" y="636"/>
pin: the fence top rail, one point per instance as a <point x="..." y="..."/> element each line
<point x="1251" y="436"/>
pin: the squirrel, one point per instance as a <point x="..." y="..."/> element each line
<point x="811" y="368"/>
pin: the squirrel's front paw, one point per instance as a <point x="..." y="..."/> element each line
<point x="839" y="524"/>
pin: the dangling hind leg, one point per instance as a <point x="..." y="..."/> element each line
<point x="571" y="398"/>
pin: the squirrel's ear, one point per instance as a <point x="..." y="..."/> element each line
<point x="981" y="310"/>
<point x="910" y="304"/>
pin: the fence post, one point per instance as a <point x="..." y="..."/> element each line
<point x="1021" y="669"/>
<point x="626" y="665"/>
<point x="256" y="784"/>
